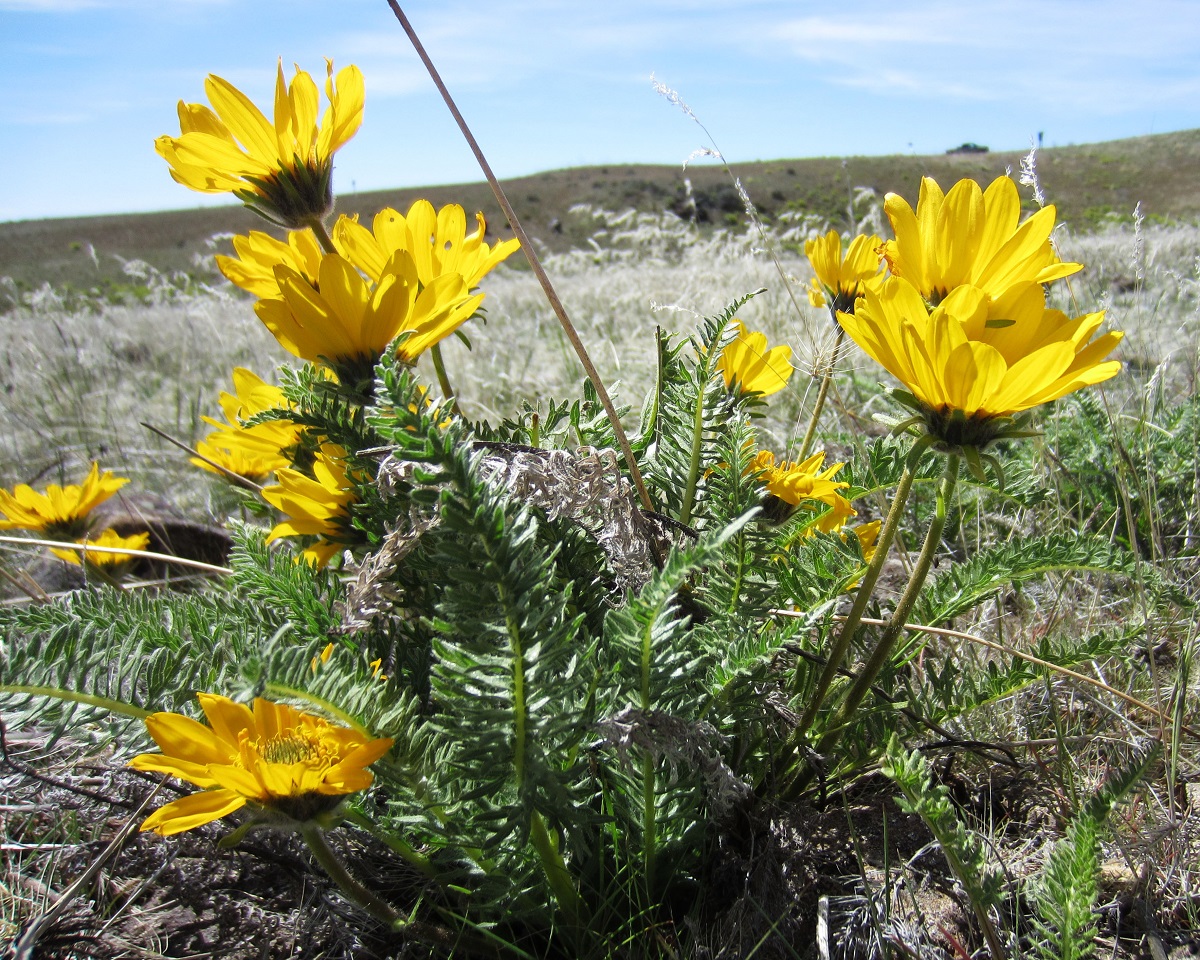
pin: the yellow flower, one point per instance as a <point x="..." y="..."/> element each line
<point x="347" y="322"/>
<point x="107" y="538"/>
<point x="250" y="452"/>
<point x="837" y="279"/>
<point x="274" y="757"/>
<point x="315" y="506"/>
<point x="61" y="512"/>
<point x="438" y="242"/>
<point x="868" y="537"/>
<point x="750" y="367"/>
<point x="788" y="484"/>
<point x="966" y="369"/>
<point x="258" y="253"/>
<point x="282" y="170"/>
<point x="970" y="236"/>
<point x="249" y="466"/>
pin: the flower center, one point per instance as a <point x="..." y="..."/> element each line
<point x="291" y="748"/>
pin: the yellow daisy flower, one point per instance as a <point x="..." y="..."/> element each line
<point x="788" y="484"/>
<point x="258" y="254"/>
<point x="109" y="562"/>
<point x="61" y="512"/>
<point x="749" y="367"/>
<point x="966" y="370"/>
<point x="970" y="236"/>
<point x="273" y="757"/>
<point x="282" y="170"/>
<point x="438" y="242"/>
<point x="250" y="452"/>
<point x="839" y="279"/>
<point x="348" y="322"/>
<point x="241" y="463"/>
<point x="315" y="506"/>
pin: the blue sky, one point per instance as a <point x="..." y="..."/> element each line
<point x="555" y="83"/>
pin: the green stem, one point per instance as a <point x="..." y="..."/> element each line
<point x="899" y="618"/>
<point x="555" y="868"/>
<point x="383" y="912"/>
<point x="317" y="226"/>
<point x="895" y="626"/>
<point x="443" y="379"/>
<point x="822" y="393"/>
<point x="863" y="595"/>
<point x="418" y="860"/>
<point x="693" y="477"/>
<point x="112" y="706"/>
<point x="649" y="820"/>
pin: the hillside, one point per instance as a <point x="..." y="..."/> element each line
<point x="1089" y="183"/>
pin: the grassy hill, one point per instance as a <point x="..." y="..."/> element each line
<point x="1090" y="183"/>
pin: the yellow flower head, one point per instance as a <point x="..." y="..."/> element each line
<point x="282" y="170"/>
<point x="214" y="454"/>
<point x="750" y="367"/>
<point x="315" y="506"/>
<point x="868" y="538"/>
<point x="61" y="512"/>
<point x="274" y="757"/>
<point x="438" y="243"/>
<point x="258" y="253"/>
<point x="109" y="562"/>
<point x="970" y="362"/>
<point x="788" y="484"/>
<point x="970" y="236"/>
<point x="347" y="321"/>
<point x="839" y="279"/>
<point x="250" y="452"/>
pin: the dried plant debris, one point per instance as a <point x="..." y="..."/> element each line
<point x="674" y="739"/>
<point x="586" y="487"/>
<point x="372" y="595"/>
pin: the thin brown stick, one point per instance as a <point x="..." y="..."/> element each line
<point x="551" y="295"/>
<point x="1012" y="652"/>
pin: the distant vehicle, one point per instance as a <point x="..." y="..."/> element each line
<point x="968" y="148"/>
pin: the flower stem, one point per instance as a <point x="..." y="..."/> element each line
<point x="314" y="836"/>
<point x="430" y="933"/>
<point x="863" y="595"/>
<point x="822" y="393"/>
<point x="693" y="477"/>
<point x="443" y="378"/>
<point x="899" y="617"/>
<point x="896" y="624"/>
<point x="317" y="225"/>
<point x="397" y="844"/>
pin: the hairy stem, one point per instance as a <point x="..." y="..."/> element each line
<point x="649" y="824"/>
<point x="822" y="393"/>
<point x="317" y="226"/>
<point x="897" y="621"/>
<point x="314" y="837"/>
<point x="693" y="477"/>
<point x="863" y="595"/>
<point x="443" y="379"/>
